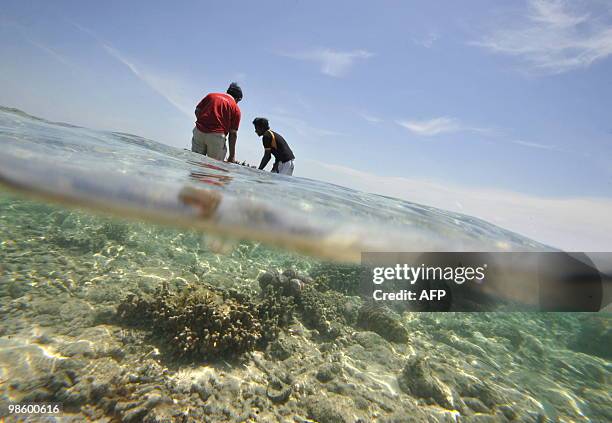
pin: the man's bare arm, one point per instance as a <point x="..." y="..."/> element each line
<point x="265" y="159"/>
<point x="233" y="136"/>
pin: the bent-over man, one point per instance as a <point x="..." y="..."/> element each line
<point x="274" y="144"/>
<point x="217" y="115"/>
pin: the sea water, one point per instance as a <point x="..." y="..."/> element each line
<point x="88" y="218"/>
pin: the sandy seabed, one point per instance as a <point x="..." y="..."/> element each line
<point x="63" y="275"/>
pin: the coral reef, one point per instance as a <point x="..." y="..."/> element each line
<point x="205" y="322"/>
<point x="61" y="341"/>
<point x="274" y="311"/>
<point x="244" y="163"/>
<point x="328" y="312"/>
<point x="343" y="278"/>
<point x="320" y="308"/>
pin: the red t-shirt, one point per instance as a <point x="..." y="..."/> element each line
<point x="219" y="114"/>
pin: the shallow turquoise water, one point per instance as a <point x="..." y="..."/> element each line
<point x="64" y="271"/>
<point x="132" y="175"/>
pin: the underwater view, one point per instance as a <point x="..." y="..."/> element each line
<point x="143" y="283"/>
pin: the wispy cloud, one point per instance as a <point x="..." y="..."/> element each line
<point x="27" y="36"/>
<point x="442" y="125"/>
<point x="166" y="87"/>
<point x="171" y="89"/>
<point x="50" y="51"/>
<point x="85" y="30"/>
<point x="439" y="125"/>
<point x="535" y="145"/>
<point x="370" y="118"/>
<point x="554" y="37"/>
<point x="431" y="127"/>
<point x="571" y="223"/>
<point x="301" y="127"/>
<point x="332" y="62"/>
<point x="426" y="40"/>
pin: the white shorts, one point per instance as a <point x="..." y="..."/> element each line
<point x="209" y="144"/>
<point x="286" y="168"/>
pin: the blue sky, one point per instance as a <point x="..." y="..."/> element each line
<point x="498" y="109"/>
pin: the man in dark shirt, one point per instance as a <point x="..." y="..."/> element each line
<point x="274" y="144"/>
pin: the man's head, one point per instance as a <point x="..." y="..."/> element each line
<point x="261" y="125"/>
<point x="235" y="91"/>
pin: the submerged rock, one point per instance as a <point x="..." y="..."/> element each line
<point x="289" y="283"/>
<point x="281" y="349"/>
<point x="295" y="287"/>
<point x="594" y="336"/>
<point x="290" y="274"/>
<point x="277" y="392"/>
<point x="418" y="380"/>
<point x="268" y="278"/>
<point x="328" y="371"/>
<point x="115" y="230"/>
<point x="383" y="321"/>
<point x="323" y="410"/>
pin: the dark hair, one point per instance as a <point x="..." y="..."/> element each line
<point x="235" y="91"/>
<point x="261" y="122"/>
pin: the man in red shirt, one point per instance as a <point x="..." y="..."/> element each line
<point x="217" y="115"/>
